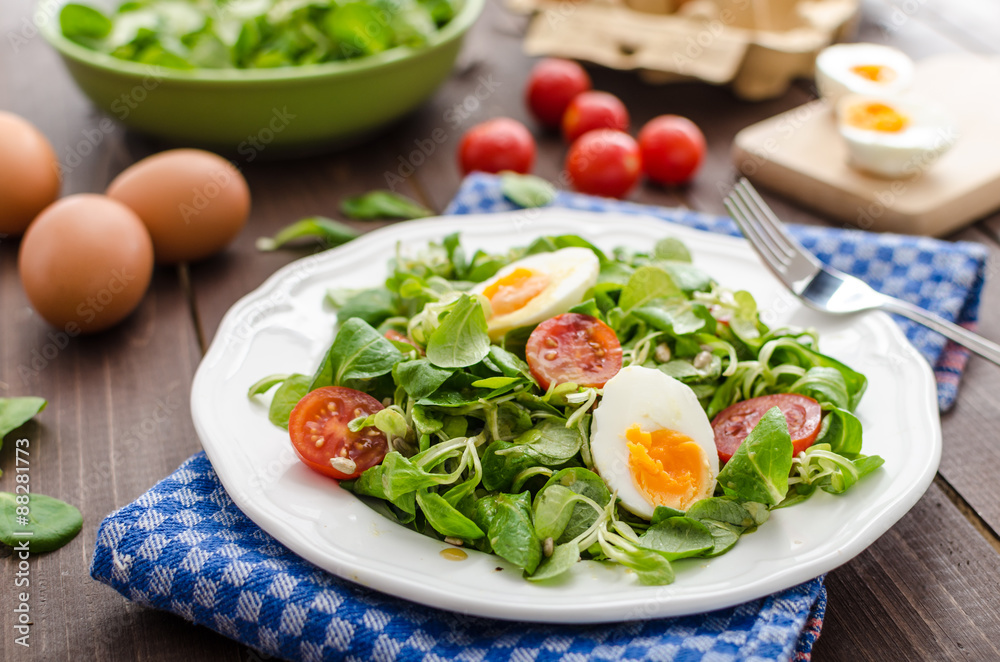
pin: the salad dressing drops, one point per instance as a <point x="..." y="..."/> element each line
<point x="453" y="554"/>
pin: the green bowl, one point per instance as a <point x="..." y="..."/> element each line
<point x="250" y="110"/>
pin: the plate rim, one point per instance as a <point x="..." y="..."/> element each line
<point x="622" y="608"/>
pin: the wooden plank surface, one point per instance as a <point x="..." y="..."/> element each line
<point x="909" y="596"/>
<point x="118" y="418"/>
<point x="928" y="589"/>
<point x="969" y="429"/>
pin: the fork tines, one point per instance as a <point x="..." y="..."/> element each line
<point x="764" y="230"/>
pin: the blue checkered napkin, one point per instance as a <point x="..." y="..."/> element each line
<point x="943" y="277"/>
<point x="184" y="547"/>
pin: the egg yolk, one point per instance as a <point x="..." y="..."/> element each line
<point x="668" y="467"/>
<point x="515" y="290"/>
<point x="876" y="116"/>
<point x="876" y="73"/>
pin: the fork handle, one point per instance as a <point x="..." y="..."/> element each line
<point x="965" y="338"/>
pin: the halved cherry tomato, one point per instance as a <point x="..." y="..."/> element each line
<point x="318" y="428"/>
<point x="734" y="423"/>
<point x="396" y="336"/>
<point x="573" y="347"/>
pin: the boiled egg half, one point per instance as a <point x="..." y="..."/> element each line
<point x="535" y="288"/>
<point x="862" y="69"/>
<point x="893" y="137"/>
<point x="652" y="443"/>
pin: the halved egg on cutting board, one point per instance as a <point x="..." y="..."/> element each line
<point x="535" y="288"/>
<point x="862" y="69"/>
<point x="652" y="443"/>
<point x="893" y="137"/>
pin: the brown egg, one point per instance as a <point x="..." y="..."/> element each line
<point x="29" y="173"/>
<point x="193" y="202"/>
<point x="85" y="263"/>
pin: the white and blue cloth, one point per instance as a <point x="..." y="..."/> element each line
<point x="184" y="547"/>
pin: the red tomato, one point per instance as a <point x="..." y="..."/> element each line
<point x="604" y="162"/>
<point x="734" y="423"/>
<point x="573" y="347"/>
<point x="593" y="110"/>
<point x="673" y="148"/>
<point x="318" y="428"/>
<point x="552" y="85"/>
<point x="495" y="145"/>
<point x="393" y="334"/>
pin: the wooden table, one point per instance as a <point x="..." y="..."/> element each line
<point x="118" y="418"/>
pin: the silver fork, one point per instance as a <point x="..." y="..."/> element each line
<point x="822" y="287"/>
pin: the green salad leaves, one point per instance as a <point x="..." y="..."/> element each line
<point x="49" y="525"/>
<point x="43" y="522"/>
<point x="253" y="34"/>
<point x="481" y="456"/>
<point x="382" y="204"/>
<point x="15" y="412"/>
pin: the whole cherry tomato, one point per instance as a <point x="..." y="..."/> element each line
<point x="593" y="110"/>
<point x="496" y="145"/>
<point x="604" y="162"/>
<point x="551" y="86"/>
<point x="673" y="148"/>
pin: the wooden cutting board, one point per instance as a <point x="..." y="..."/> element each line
<point x="800" y="154"/>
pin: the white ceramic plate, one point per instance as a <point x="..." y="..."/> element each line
<point x="283" y="327"/>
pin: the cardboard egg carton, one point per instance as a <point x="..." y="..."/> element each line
<point x="755" y="46"/>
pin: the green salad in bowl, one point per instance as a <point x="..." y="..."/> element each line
<point x="251" y="34"/>
<point x="250" y="75"/>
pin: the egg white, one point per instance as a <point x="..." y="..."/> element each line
<point x="929" y="134"/>
<point x="571" y="272"/>
<point x="835" y="79"/>
<point x="652" y="400"/>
